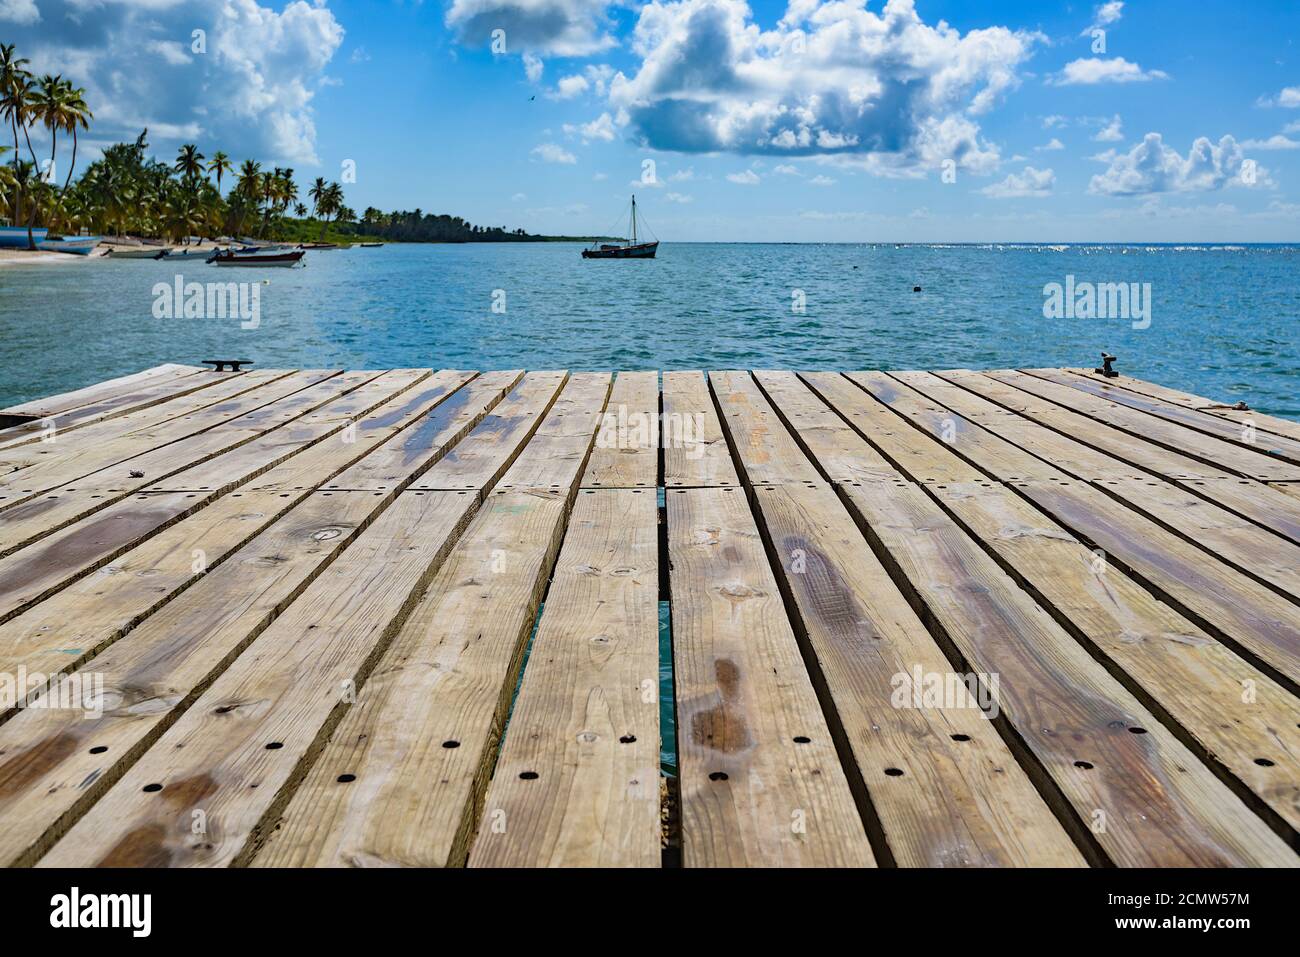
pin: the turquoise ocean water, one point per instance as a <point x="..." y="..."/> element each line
<point x="1225" y="320"/>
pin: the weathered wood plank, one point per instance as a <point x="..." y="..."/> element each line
<point x="962" y="800"/>
<point x="695" y="452"/>
<point x="479" y="461"/>
<point x="102" y="391"/>
<point x="1265" y="423"/>
<point x="577" y="781"/>
<point x="760" y="780"/>
<point x="60" y="632"/>
<point x="161" y="391"/>
<point x="420" y="743"/>
<point x="1242" y="431"/>
<point x="627" y="446"/>
<point x="771" y="456"/>
<point x="239" y="746"/>
<point x="55" y="763"/>
<point x="1145" y="797"/>
<point x="1229" y="456"/>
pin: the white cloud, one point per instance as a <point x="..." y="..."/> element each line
<point x="595" y="78"/>
<point x="518" y="197"/>
<point x="1112" y="132"/>
<point x="884" y="90"/>
<point x="678" y="198"/>
<point x="1276" y="142"/>
<point x="785" y="169"/>
<point x="1105" y="156"/>
<point x="570" y="86"/>
<point x="553" y="153"/>
<point x="1105" y="15"/>
<point x="1153" y="167"/>
<point x="251" y="92"/>
<point x="22" y="12"/>
<point x="1031" y="182"/>
<point x="1053" y="144"/>
<point x="1288" y="97"/>
<point x="1292" y="127"/>
<point x="601" y="128"/>
<point x="533" y="67"/>
<point x="1090" y="70"/>
<point x="746" y="178"/>
<point x="359" y="55"/>
<point x="1055" y="121"/>
<point x="821" y="181"/>
<point x="552" y="27"/>
<point x="682" y="175"/>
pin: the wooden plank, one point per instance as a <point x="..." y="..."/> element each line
<point x="1286" y="488"/>
<point x="1228" y="537"/>
<point x="409" y="453"/>
<point x="423" y="734"/>
<point x="695" y="452"/>
<point x="557" y="453"/>
<point x="627" y="446"/>
<point x="101" y="391"/>
<point x="56" y="560"/>
<point x="62" y="631"/>
<point x="577" y="781"/>
<point x="1063" y="432"/>
<point x="287" y="689"/>
<point x="478" y="461"/>
<point x="1147" y="799"/>
<point x="145" y="396"/>
<point x="1229" y="456"/>
<point x="1250" y="614"/>
<point x="225" y="458"/>
<point x="771" y="456"/>
<point x="841" y="451"/>
<point x="962" y="800"/>
<point x="55" y="763"/>
<point x="761" y="783"/>
<point x="1240" y="428"/>
<point x="1230" y="411"/>
<point x="1234" y="711"/>
<point x="82" y="454"/>
<point x="398" y="780"/>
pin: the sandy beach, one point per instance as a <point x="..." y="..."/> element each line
<point x="14" y="257"/>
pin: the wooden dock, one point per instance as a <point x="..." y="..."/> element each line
<point x="413" y="617"/>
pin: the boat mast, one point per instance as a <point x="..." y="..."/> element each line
<point x="634" y="219"/>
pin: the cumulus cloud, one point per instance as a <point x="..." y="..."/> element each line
<point x="601" y="128"/>
<point x="1153" y="167"/>
<point x="678" y="198"/>
<point x="1288" y="97"/>
<point x="553" y="153"/>
<point x="1052" y="144"/>
<point x="251" y="91"/>
<point x="22" y="12"/>
<point x="821" y="181"/>
<point x="885" y="90"/>
<point x="1112" y="132"/>
<point x="1092" y="70"/>
<point x="1030" y="182"/>
<point x="745" y="178"/>
<point x="594" y="78"/>
<point x="1055" y="121"/>
<point x="551" y="27"/>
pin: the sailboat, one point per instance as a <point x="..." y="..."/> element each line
<point x="628" y="249"/>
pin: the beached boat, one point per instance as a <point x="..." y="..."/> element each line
<point x="629" y="249"/>
<point x="370" y="245"/>
<point x="15" y="237"/>
<point x="322" y="246"/>
<point x="186" y="254"/>
<point x="138" y="252"/>
<point x="76" y="246"/>
<point x="258" y="249"/>
<point x="231" y="258"/>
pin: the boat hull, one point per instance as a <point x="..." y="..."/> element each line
<point x="15" y="237"/>
<point x="73" y="247"/>
<point x="274" y="259"/>
<point x="639" y="251"/>
<point x="134" y="253"/>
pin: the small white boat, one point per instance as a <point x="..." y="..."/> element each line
<point x="186" y="254"/>
<point x="76" y="245"/>
<point x="232" y="258"/>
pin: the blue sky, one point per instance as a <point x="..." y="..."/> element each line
<point x="806" y="121"/>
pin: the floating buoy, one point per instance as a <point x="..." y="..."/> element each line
<point x="916" y="289"/>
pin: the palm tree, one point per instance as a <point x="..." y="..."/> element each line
<point x="300" y="210"/>
<point x="11" y="67"/>
<point x="315" y="194"/>
<point x="219" y="164"/>
<point x="73" y="112"/>
<point x="189" y="163"/>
